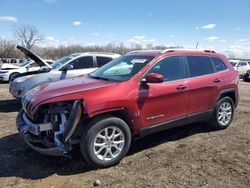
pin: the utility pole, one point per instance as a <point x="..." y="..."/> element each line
<point x="197" y="44"/>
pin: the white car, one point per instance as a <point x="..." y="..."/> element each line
<point x="240" y="66"/>
<point x="10" y="71"/>
<point x="72" y="65"/>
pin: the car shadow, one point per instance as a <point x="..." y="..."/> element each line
<point x="173" y="134"/>
<point x="10" y="105"/>
<point x="18" y="160"/>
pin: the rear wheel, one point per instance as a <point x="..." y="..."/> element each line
<point x="105" y="142"/>
<point x="223" y="113"/>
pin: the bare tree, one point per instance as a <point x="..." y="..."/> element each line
<point x="27" y="35"/>
<point x="7" y="48"/>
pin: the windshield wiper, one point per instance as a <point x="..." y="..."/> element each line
<point x="99" y="78"/>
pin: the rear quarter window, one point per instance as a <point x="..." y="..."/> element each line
<point x="218" y="64"/>
<point x="199" y="65"/>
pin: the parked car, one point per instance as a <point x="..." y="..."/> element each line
<point x="246" y="77"/>
<point x="102" y="111"/>
<point x="240" y="66"/>
<point x="34" y="66"/>
<point x="49" y="61"/>
<point x="72" y="65"/>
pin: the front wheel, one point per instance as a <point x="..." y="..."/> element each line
<point x="13" y="76"/>
<point x="223" y="113"/>
<point x="246" y="78"/>
<point x="105" y="142"/>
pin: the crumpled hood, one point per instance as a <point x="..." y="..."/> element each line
<point x="74" y="85"/>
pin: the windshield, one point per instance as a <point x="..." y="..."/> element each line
<point x="122" y="68"/>
<point x="25" y="63"/>
<point x="61" y="62"/>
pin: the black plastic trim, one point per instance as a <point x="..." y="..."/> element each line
<point x="196" y="117"/>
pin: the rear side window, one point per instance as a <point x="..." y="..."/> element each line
<point x="102" y="60"/>
<point x="83" y="62"/>
<point x="171" y="68"/>
<point x="218" y="64"/>
<point x="199" y="65"/>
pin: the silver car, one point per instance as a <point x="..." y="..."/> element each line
<point x="72" y="65"/>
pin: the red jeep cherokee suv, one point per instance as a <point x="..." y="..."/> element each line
<point x="139" y="93"/>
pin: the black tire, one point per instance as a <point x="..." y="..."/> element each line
<point x="245" y="78"/>
<point x="89" y="137"/>
<point x="13" y="76"/>
<point x="215" y="122"/>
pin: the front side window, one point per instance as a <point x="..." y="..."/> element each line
<point x="218" y="64"/>
<point x="171" y="68"/>
<point x="199" y="65"/>
<point x="61" y="62"/>
<point x="82" y="63"/>
<point x="122" y="68"/>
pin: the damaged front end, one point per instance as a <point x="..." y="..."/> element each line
<point x="52" y="129"/>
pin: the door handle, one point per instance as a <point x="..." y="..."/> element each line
<point x="217" y="80"/>
<point x="181" y="87"/>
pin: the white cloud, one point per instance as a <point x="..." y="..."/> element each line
<point x="111" y="35"/>
<point x="91" y="44"/>
<point x="8" y="19"/>
<point x="50" y="38"/>
<point x="139" y="37"/>
<point x="149" y="41"/>
<point x="76" y="23"/>
<point x="51" y="1"/>
<point x="243" y="40"/>
<point x="96" y="34"/>
<point x="50" y="41"/>
<point x="209" y="26"/>
<point x="142" y="40"/>
<point x="223" y="40"/>
<point x="237" y="29"/>
<point x="239" y="49"/>
<point x="212" y="38"/>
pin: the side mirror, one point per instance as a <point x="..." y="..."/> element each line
<point x="67" y="67"/>
<point x="153" y="78"/>
<point x="45" y="69"/>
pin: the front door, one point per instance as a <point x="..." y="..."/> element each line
<point x="167" y="101"/>
<point x="82" y="65"/>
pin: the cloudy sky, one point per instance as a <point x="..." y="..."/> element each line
<point x="223" y="25"/>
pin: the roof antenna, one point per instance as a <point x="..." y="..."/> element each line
<point x="197" y="44"/>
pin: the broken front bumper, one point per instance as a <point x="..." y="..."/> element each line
<point x="32" y="135"/>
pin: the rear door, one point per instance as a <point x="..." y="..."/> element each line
<point x="163" y="102"/>
<point x="102" y="60"/>
<point x="203" y="84"/>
